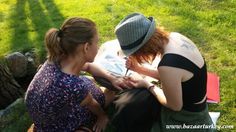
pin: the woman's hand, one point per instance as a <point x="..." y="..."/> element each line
<point x="97" y="110"/>
<point x="137" y="83"/>
<point x="132" y="64"/>
<point x="101" y="123"/>
<point x="120" y="83"/>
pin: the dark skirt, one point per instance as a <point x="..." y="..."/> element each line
<point x="135" y="111"/>
<point x="184" y="121"/>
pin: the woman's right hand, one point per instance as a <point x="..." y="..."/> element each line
<point x="101" y="123"/>
<point x="132" y="64"/>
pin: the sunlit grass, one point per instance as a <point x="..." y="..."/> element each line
<point x="210" y="24"/>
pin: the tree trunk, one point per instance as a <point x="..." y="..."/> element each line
<point x="10" y="90"/>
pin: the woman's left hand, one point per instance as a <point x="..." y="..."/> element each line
<point x="137" y="83"/>
<point x="120" y="83"/>
<point x="101" y="123"/>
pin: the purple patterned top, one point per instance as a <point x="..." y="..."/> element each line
<point x="53" y="100"/>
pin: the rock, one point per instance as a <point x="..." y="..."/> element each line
<point x="10" y="90"/>
<point x="25" y="80"/>
<point x="30" y="56"/>
<point x="17" y="64"/>
<point x="31" y="66"/>
<point x="12" y="113"/>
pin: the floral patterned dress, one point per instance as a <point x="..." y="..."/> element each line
<point x="53" y="100"/>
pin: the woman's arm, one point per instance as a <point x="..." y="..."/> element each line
<point x="96" y="109"/>
<point x="148" y="72"/>
<point x="95" y="70"/>
<point x="133" y="65"/>
<point x="171" y="93"/>
<point x="93" y="105"/>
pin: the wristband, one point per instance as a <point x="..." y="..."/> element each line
<point x="150" y="87"/>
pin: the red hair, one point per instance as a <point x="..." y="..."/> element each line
<point x="153" y="47"/>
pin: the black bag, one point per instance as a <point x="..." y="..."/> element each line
<point x="135" y="111"/>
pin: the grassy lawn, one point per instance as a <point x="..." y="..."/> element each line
<point x="210" y="24"/>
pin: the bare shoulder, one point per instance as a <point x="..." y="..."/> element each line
<point x="186" y="48"/>
<point x="174" y="74"/>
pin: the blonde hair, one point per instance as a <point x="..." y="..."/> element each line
<point x="63" y="42"/>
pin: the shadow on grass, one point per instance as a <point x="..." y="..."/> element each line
<point x="20" y="31"/>
<point x="54" y="13"/>
<point x="44" y="15"/>
<point x="30" y="20"/>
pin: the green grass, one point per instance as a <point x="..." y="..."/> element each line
<point x="210" y="24"/>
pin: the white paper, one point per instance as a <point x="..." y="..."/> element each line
<point x="111" y="58"/>
<point x="214" y="117"/>
<point x="112" y="63"/>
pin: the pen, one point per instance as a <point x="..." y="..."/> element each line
<point x="127" y="68"/>
<point x="126" y="71"/>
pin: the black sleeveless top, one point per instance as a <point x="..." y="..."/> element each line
<point x="194" y="89"/>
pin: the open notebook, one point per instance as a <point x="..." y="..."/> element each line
<point x="112" y="59"/>
<point x="112" y="63"/>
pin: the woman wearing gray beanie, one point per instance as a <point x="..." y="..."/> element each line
<point x="182" y="72"/>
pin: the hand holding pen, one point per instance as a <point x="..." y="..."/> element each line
<point x="126" y="72"/>
<point x="126" y="58"/>
<point x="132" y="64"/>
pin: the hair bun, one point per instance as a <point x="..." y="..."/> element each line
<point x="60" y="33"/>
